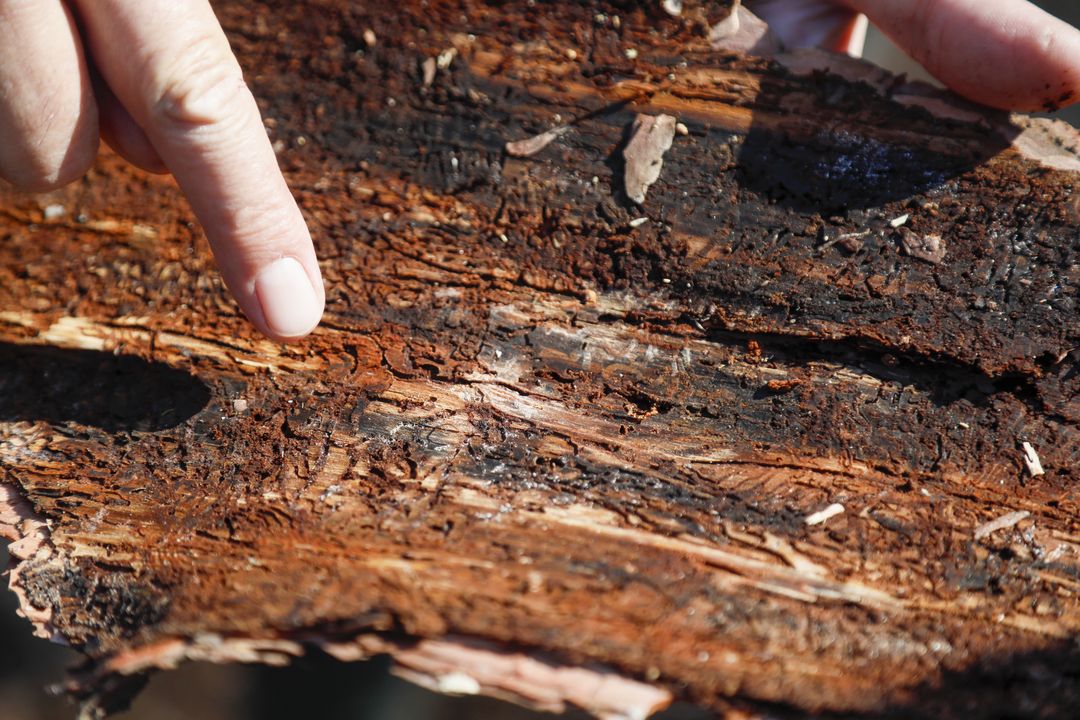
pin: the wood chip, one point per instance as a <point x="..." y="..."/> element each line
<point x="428" y="70"/>
<point x="369" y="37"/>
<point x="929" y="248"/>
<point x="822" y="515"/>
<point x="852" y="242"/>
<point x="458" y="683"/>
<point x="1032" y="461"/>
<point x="530" y="146"/>
<point x="900" y="220"/>
<point x="446" y="58"/>
<point x="650" y="137"/>
<point x="638" y="222"/>
<point x="1001" y="523"/>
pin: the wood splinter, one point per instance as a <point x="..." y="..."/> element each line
<point x="1031" y="460"/>
<point x="1004" y="522"/>
<point x="530" y="146"/>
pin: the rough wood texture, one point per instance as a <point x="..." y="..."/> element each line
<point x="535" y="438"/>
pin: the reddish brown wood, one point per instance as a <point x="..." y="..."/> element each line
<point x="565" y="453"/>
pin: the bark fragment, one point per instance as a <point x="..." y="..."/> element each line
<point x="650" y="138"/>
<point x="930" y="247"/>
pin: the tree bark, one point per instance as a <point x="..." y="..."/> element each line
<point x="551" y="444"/>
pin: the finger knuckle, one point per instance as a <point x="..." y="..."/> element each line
<point x="203" y="86"/>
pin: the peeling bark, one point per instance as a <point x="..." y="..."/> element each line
<point x="534" y="426"/>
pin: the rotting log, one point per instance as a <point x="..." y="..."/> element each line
<point x="543" y="449"/>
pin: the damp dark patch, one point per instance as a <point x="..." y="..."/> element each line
<point x="838" y="169"/>
<point x="832" y="166"/>
<point x="95" y="604"/>
<point x="115" y="393"/>
<point x="1039" y="684"/>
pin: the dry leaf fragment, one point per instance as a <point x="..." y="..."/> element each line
<point x="727" y="27"/>
<point x="530" y="146"/>
<point x="744" y="32"/>
<point x="650" y="138"/>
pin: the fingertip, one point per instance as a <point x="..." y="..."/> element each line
<point x="267" y="258"/>
<point x="290" y="299"/>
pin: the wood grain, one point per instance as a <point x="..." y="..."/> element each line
<point x="536" y="428"/>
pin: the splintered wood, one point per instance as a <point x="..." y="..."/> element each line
<point x="531" y="146"/>
<point x="748" y="445"/>
<point x="1031" y="460"/>
<point x="1004" y="522"/>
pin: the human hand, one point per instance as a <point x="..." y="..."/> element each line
<point x="1003" y="53"/>
<point x="158" y="80"/>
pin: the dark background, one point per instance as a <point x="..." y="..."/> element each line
<point x="312" y="687"/>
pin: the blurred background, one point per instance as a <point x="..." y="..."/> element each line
<point x="316" y="686"/>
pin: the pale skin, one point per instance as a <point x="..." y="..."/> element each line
<point x="167" y="94"/>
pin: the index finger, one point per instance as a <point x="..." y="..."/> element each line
<point x="170" y="65"/>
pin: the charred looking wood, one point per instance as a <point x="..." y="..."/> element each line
<point x="546" y="430"/>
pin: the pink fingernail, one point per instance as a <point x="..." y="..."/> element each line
<point x="289" y="302"/>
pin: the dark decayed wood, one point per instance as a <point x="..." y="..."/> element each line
<point x="757" y="442"/>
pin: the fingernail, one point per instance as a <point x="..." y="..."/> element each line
<point x="289" y="303"/>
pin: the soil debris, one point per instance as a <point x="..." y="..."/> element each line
<point x="781" y="386"/>
<point x="650" y="137"/>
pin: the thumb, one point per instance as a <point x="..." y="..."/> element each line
<point x="1003" y="53"/>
